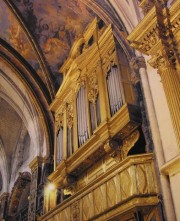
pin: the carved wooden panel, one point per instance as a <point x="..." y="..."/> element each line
<point x="126" y="184"/>
<point x="64" y="214"/>
<point x="113" y="191"/>
<point x="100" y="199"/>
<point x="141" y="179"/>
<point x="87" y="210"/>
<point x="57" y="217"/>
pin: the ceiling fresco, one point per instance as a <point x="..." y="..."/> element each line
<point x="55" y="25"/>
<point x="12" y="33"/>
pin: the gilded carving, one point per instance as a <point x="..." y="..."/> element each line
<point x="150" y="40"/>
<point x="112" y="147"/>
<point x="81" y="82"/>
<point x="93" y="88"/>
<point x="162" y="60"/>
<point x="69" y="115"/>
<point x="129" y="142"/>
<point x="59" y="121"/>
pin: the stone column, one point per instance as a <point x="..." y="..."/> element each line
<point x="36" y="169"/>
<point x="171" y="85"/>
<point x="140" y="74"/>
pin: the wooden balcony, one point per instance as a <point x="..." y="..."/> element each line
<point x="128" y="185"/>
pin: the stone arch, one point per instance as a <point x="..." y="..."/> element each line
<point x="18" y="96"/>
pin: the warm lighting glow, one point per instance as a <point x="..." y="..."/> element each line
<point x="51" y="186"/>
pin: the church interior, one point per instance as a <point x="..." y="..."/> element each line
<point x="89" y="110"/>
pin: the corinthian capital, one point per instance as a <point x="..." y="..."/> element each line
<point x="163" y="60"/>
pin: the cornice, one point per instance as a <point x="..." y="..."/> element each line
<point x="149" y="35"/>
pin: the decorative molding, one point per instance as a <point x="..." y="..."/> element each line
<point x="172" y="167"/>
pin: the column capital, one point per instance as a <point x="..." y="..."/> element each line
<point x="36" y="162"/>
<point x="163" y="60"/>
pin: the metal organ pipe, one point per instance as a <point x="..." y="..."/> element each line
<point x="114" y="90"/>
<point x="60" y="145"/>
<point x="82" y="116"/>
<point x="118" y="89"/>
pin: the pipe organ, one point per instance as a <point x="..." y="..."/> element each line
<point x="92" y="91"/>
<point x="97" y="123"/>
